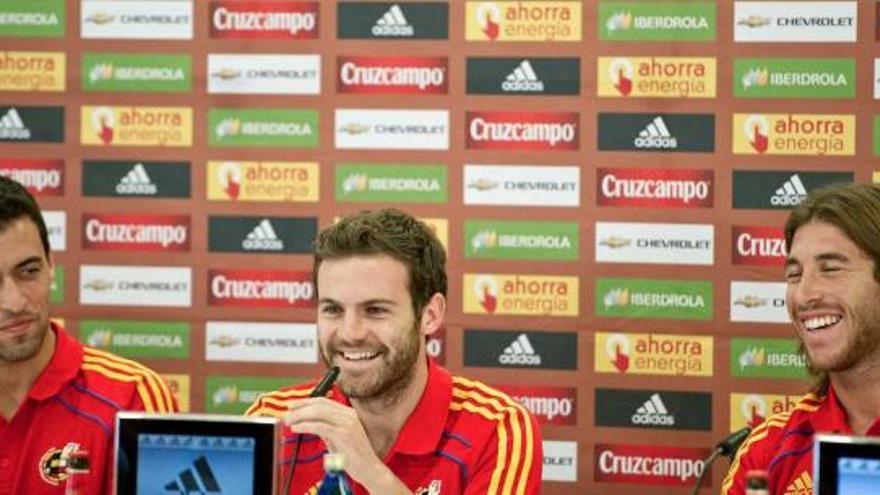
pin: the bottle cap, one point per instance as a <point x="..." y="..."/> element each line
<point x="334" y="462"/>
<point x="79" y="460"/>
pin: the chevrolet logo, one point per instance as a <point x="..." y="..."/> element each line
<point x="354" y="128"/>
<point x="99" y="285"/>
<point x="483" y="184"/>
<point x="101" y="18"/>
<point x="225" y="341"/>
<point x="226" y="74"/>
<point x="615" y="242"/>
<point x="754" y="21"/>
<point x="750" y="302"/>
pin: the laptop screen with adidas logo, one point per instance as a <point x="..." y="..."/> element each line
<point x="189" y="453"/>
<point x="846" y="465"/>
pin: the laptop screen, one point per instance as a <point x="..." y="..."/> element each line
<point x="186" y="454"/>
<point x="846" y="465"/>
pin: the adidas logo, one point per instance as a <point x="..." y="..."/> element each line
<point x="12" y="127"/>
<point x="393" y="23"/>
<point x="199" y="478"/>
<point x="136" y="181"/>
<point x="523" y="79"/>
<point x="653" y="412"/>
<point x="656" y="135"/>
<point x="802" y="485"/>
<point x="263" y="238"/>
<point x="520" y="351"/>
<point x="790" y="194"/>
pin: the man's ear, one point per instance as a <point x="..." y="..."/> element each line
<point x="433" y="314"/>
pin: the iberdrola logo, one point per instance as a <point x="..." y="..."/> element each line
<point x="622" y="72"/>
<point x="754" y="410"/>
<point x="484" y="239"/>
<point x="355" y="183"/>
<point x="617" y="349"/>
<point x="228" y="127"/>
<point x="101" y="72"/>
<point x="225" y="395"/>
<point x="620" y="21"/>
<point x="229" y="177"/>
<point x="755" y="356"/>
<point x="489" y="17"/>
<point x="755" y="77"/>
<point x="757" y="130"/>
<point x="486" y="289"/>
<point x="616" y="297"/>
<point x="100" y="338"/>
<point x="102" y="123"/>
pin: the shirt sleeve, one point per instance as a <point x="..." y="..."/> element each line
<point x="511" y="462"/>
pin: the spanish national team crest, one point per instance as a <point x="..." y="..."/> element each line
<point x="433" y="488"/>
<point x="53" y="466"/>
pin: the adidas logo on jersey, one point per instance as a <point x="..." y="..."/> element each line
<point x="802" y="485"/>
<point x="393" y="23"/>
<point x="656" y="135"/>
<point x="263" y="238"/>
<point x="136" y="181"/>
<point x="791" y="193"/>
<point x="12" y="127"/>
<point x="523" y="79"/>
<point x="520" y="351"/>
<point x="653" y="412"/>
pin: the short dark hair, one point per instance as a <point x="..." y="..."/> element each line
<point x="855" y="210"/>
<point x="394" y="233"/>
<point x="16" y="202"/>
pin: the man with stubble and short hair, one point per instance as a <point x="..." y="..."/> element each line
<point x="403" y="423"/>
<point x="56" y="395"/>
<point x="833" y="297"/>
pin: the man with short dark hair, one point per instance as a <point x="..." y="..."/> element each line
<point x="403" y="423"/>
<point x="56" y="395"/>
<point x="833" y="297"/>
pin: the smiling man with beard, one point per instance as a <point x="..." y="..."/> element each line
<point x="833" y="297"/>
<point x="403" y="423"/>
<point x="56" y="395"/>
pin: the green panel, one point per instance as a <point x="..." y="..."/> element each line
<point x="136" y="72"/>
<point x="281" y="128"/>
<point x="646" y="298"/>
<point x="33" y="18"/>
<point x="149" y="339"/>
<point x="234" y="394"/>
<point x="497" y="239"/>
<point x="766" y="358"/>
<point x="657" y="21"/>
<point x="394" y="183"/>
<point x="794" y="78"/>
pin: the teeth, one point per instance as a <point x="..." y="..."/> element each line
<point x="359" y="356"/>
<point x="820" y="322"/>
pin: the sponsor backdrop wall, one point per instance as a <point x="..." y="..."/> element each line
<point x="610" y="179"/>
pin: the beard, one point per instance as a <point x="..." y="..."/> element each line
<point x="863" y="342"/>
<point x="24" y="347"/>
<point x="394" y="375"/>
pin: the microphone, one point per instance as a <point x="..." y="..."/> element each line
<point x="320" y="390"/>
<point x="726" y="447"/>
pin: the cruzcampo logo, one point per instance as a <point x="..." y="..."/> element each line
<point x="645" y="298"/>
<point x="766" y="358"/>
<point x="794" y="78"/>
<point x="56" y="290"/>
<point x="496" y="239"/>
<point x="33" y="19"/>
<point x="396" y="183"/>
<point x="150" y="339"/>
<point x="136" y="72"/>
<point x="234" y="394"/>
<point x="281" y="128"/>
<point x="657" y="21"/>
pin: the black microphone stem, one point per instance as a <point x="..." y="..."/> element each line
<point x="320" y="390"/>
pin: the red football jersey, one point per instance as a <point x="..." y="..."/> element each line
<point x="75" y="399"/>
<point x="462" y="438"/>
<point x="783" y="446"/>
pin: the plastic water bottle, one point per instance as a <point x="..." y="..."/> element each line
<point x="757" y="483"/>
<point x="335" y="482"/>
<point x="77" y="473"/>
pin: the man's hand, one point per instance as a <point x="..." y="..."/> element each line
<point x="341" y="429"/>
